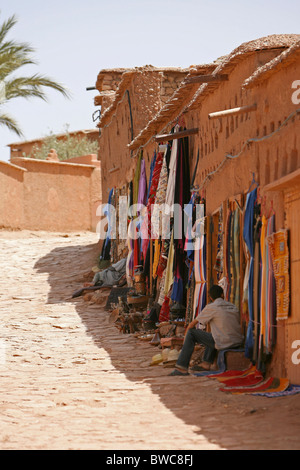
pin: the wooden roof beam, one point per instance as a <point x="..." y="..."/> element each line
<point x="176" y="135"/>
<point x="233" y="111"/>
<point x="207" y="78"/>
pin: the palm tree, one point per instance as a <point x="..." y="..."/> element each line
<point x="14" y="55"/>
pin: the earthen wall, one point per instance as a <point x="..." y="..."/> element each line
<point x="50" y="196"/>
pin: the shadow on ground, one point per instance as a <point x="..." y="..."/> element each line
<point x="230" y="421"/>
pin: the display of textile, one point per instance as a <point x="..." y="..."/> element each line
<point x="278" y="243"/>
<point x="113" y="231"/>
<point x="189" y="316"/>
<point x="136" y="181"/>
<point x="107" y="242"/>
<point x="146" y="222"/>
<point x="267" y="290"/>
<point x="200" y="294"/>
<point x="142" y="189"/>
<point x="236" y="260"/>
<point x="156" y="257"/>
<point x="152" y="166"/>
<point x="159" y="228"/>
<point x="169" y="268"/>
<point x="233" y="257"/>
<point x="227" y="250"/>
<point x="172" y="172"/>
<point x="219" y="263"/>
<point x="130" y="256"/>
<point x="256" y="285"/>
<point x="248" y="231"/>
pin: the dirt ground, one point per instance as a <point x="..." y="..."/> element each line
<point x="70" y="380"/>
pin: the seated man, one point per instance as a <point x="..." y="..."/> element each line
<point x="223" y="318"/>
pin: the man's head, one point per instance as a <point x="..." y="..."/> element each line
<point x="215" y="292"/>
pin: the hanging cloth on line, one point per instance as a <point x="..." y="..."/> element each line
<point x="249" y="240"/>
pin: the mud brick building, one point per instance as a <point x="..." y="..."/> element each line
<point x="240" y="116"/>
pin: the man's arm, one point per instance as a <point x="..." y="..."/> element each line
<point x="192" y="324"/>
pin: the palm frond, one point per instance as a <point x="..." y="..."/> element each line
<point x="13" y="55"/>
<point x="11" y="124"/>
<point x="9" y="64"/>
<point x="7" y="26"/>
<point x="27" y="87"/>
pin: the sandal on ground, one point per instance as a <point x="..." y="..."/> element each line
<point x="201" y="367"/>
<point x="177" y="372"/>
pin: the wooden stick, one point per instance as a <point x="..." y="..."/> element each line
<point x="230" y="112"/>
<point x="176" y="135"/>
<point x="114" y="169"/>
<point x="151" y="266"/>
<point x="206" y="78"/>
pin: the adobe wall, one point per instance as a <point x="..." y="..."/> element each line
<point x="11" y="196"/>
<point x="116" y="162"/>
<point x="51" y="196"/>
<point x="269" y="159"/>
<point x="148" y="92"/>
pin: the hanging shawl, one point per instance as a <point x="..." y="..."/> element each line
<point x="267" y="303"/>
<point x="136" y="180"/>
<point x="107" y="243"/>
<point x="157" y="216"/>
<point x="142" y="193"/>
<point x="200" y="291"/>
<point x="172" y="173"/>
<point x="249" y="240"/>
<point x="146" y="224"/>
<point x="181" y="197"/>
<point x="152" y="166"/>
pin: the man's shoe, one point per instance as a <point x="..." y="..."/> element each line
<point x="177" y="372"/>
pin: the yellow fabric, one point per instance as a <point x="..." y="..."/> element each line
<point x="156" y="257"/>
<point x="169" y="279"/>
<point x="263" y="278"/>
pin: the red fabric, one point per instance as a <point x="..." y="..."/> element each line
<point x="256" y="388"/>
<point x="233" y="373"/>
<point x="164" y="313"/>
<point x="250" y="379"/>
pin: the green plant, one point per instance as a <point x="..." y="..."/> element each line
<point x="66" y="147"/>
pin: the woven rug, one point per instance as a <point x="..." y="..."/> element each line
<point x="290" y="390"/>
<point x="271" y="384"/>
<point x="251" y="379"/>
<point x="278" y="244"/>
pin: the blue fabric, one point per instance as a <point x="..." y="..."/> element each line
<point x="108" y="214"/>
<point x="177" y="290"/>
<point x="248" y="232"/>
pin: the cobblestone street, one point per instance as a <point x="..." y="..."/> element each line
<point x="69" y="380"/>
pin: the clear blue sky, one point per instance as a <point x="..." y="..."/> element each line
<point x="74" y="40"/>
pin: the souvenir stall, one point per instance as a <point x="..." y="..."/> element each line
<point x="175" y="251"/>
<point x="241" y="258"/>
<point x="166" y="262"/>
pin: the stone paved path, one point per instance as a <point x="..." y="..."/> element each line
<point x="69" y="380"/>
